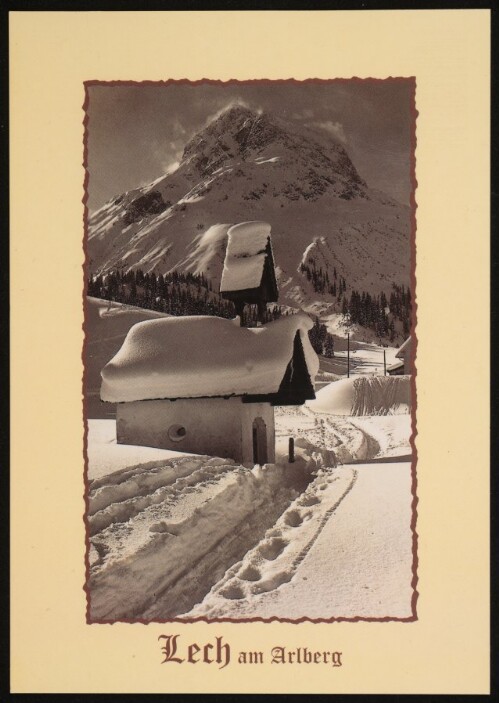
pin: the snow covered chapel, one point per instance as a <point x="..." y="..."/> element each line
<point x="206" y="385"/>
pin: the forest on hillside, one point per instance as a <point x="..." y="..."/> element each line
<point x="185" y="293"/>
<point x="385" y="315"/>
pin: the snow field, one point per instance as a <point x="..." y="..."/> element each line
<point x="189" y="535"/>
<point x="391" y="432"/>
<point x="147" y="486"/>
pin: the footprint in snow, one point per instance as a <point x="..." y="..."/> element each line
<point x="309" y="500"/>
<point x="273" y="583"/>
<point x="250" y="573"/>
<point x="293" y="518"/>
<point x="271" y="549"/>
<point x="232" y="591"/>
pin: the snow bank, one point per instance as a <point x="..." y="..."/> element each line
<point x="336" y="398"/>
<point x="162" y="537"/>
<point x="192" y="357"/>
<point x="378" y="395"/>
<point x="245" y="256"/>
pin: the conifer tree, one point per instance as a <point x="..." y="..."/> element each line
<point x="329" y="346"/>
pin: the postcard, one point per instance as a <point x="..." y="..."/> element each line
<point x="247" y="454"/>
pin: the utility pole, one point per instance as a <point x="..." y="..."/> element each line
<point x="384" y="359"/>
<point x="348" y="355"/>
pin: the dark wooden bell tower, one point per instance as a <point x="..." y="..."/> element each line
<point x="249" y="270"/>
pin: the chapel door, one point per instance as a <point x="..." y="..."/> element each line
<point x="260" y="455"/>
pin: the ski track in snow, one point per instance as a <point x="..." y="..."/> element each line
<point x="168" y="555"/>
<point x="345" y="438"/>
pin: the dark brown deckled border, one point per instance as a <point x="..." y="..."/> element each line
<point x="414" y="460"/>
<point x="415" y="562"/>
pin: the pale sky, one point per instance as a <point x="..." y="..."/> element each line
<point x="137" y="132"/>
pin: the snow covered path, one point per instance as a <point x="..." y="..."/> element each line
<point x="185" y="536"/>
<point x="343" y="549"/>
<point x="358" y="566"/>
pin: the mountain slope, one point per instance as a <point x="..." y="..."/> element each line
<point x="247" y="166"/>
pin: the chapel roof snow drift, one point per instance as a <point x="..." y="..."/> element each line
<point x="204" y="356"/>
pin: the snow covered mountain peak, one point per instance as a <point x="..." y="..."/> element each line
<point x="246" y="165"/>
<point x="240" y="136"/>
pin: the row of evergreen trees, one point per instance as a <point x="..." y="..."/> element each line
<point x="175" y="293"/>
<point x="178" y="293"/>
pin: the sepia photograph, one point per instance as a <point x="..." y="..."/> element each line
<point x="250" y="350"/>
